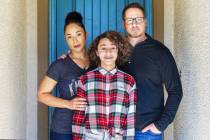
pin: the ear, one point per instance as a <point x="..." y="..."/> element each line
<point x="123" y="24"/>
<point x="97" y="53"/>
<point x="145" y="20"/>
<point x="86" y="35"/>
<point x="64" y="36"/>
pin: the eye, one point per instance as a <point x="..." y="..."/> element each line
<point x="114" y="48"/>
<point x="69" y="37"/>
<point x="103" y="49"/>
<point x="129" y="20"/>
<point x="79" y="34"/>
<point x="139" y="19"/>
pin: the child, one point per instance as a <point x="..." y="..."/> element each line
<point x="110" y="93"/>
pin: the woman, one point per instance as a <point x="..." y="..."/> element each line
<point x="62" y="72"/>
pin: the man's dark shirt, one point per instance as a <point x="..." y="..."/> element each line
<point x="152" y="66"/>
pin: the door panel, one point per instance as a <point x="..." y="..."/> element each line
<point x="98" y="16"/>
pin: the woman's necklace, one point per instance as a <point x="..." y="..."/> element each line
<point x="82" y="62"/>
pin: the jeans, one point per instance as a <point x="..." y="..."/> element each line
<point x="148" y="136"/>
<point x="60" y="136"/>
<point x="101" y="136"/>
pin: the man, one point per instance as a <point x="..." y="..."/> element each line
<point x="152" y="66"/>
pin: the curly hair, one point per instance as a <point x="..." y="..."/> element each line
<point x="123" y="46"/>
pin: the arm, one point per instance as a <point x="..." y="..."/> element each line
<point x="45" y="96"/>
<point x="172" y="82"/>
<point x="130" y="129"/>
<point x="78" y="124"/>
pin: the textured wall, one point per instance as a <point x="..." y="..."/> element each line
<point x="31" y="43"/>
<point x="18" y="69"/>
<point x="169" y="42"/>
<point x="169" y="25"/>
<point x="12" y="69"/>
<point x="192" y="40"/>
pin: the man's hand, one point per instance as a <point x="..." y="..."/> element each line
<point x="152" y="128"/>
<point x="63" y="56"/>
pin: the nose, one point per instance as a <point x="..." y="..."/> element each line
<point x="108" y="53"/>
<point x="75" y="40"/>
<point x="134" y="24"/>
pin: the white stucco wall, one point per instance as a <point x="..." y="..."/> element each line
<point x="192" y="51"/>
<point x="12" y="69"/>
<point x="18" y="69"/>
<point x="32" y="69"/>
<point x="169" y="42"/>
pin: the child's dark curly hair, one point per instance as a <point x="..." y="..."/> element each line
<point x="123" y="46"/>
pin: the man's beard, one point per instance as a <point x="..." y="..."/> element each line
<point x="134" y="35"/>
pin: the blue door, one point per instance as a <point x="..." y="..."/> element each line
<point x="98" y="16"/>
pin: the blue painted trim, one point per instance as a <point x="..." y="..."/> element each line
<point x="119" y="8"/>
<point x="52" y="48"/>
<point x="88" y="20"/>
<point x="142" y="2"/>
<point x="96" y="19"/>
<point x="80" y="4"/>
<point x="104" y="17"/>
<point x="52" y="30"/>
<point x="63" y="8"/>
<point x="112" y="14"/>
<point x="148" y="11"/>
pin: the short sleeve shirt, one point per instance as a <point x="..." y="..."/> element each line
<point x="64" y="71"/>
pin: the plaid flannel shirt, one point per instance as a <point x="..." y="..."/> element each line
<point x="111" y="104"/>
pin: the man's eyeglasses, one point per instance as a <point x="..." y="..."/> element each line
<point x="136" y="20"/>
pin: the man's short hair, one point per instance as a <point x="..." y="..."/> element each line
<point x="132" y="5"/>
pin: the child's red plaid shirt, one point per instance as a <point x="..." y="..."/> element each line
<point x="111" y="104"/>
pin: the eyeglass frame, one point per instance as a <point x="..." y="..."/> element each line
<point x="134" y="19"/>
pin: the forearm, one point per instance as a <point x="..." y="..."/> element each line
<point x="130" y="128"/>
<point x="171" y="80"/>
<point x="50" y="100"/>
<point x="170" y="110"/>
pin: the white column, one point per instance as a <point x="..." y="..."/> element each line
<point x="18" y="69"/>
<point x="192" y="49"/>
<point x="13" y="72"/>
<point x="32" y="68"/>
<point x="169" y="42"/>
